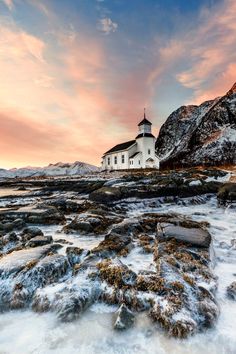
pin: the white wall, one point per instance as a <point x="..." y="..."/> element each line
<point x="119" y="165"/>
<point x="145" y="128"/>
<point x="144" y="145"/>
<point x="135" y="161"/>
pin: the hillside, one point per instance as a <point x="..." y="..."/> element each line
<point x="58" y="169"/>
<point x="195" y="135"/>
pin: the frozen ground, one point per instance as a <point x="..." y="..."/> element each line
<point x="27" y="332"/>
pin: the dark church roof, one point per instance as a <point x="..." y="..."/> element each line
<point x="144" y="121"/>
<point x="136" y="153"/>
<point x="121" y="147"/>
<point x="146" y="135"/>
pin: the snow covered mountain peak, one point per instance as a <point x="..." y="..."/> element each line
<point x="57" y="169"/>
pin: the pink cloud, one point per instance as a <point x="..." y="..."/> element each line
<point x="211" y="51"/>
<point x="9" y="4"/>
<point x="68" y="99"/>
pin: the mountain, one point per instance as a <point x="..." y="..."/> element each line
<point x="58" y="169"/>
<point x="200" y="135"/>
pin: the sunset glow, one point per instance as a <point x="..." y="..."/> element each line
<point x="76" y="74"/>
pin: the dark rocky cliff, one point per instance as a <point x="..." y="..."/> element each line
<point x="200" y="135"/>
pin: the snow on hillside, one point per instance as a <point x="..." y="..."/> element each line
<point x="196" y="135"/>
<point x="58" y="169"/>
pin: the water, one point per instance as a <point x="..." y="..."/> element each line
<point x="27" y="332"/>
<point x="137" y="260"/>
<point x="82" y="241"/>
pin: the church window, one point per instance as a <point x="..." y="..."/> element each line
<point x="139" y="162"/>
<point x="123" y="158"/>
<point x="149" y="152"/>
<point x="115" y="160"/>
<point x="108" y="160"/>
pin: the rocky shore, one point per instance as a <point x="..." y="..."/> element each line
<point x="160" y="263"/>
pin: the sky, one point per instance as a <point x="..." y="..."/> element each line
<point x="75" y="75"/>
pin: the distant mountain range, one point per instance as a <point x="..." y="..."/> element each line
<point x="58" y="169"/>
<point x="198" y="135"/>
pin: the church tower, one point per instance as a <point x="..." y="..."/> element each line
<point x="145" y="126"/>
<point x="146" y="143"/>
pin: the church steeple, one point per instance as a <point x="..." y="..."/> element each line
<point x="144" y="121"/>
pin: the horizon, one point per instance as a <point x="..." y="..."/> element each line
<point x="76" y="75"/>
<point x="45" y="166"/>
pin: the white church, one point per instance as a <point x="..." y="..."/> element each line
<point x="138" y="153"/>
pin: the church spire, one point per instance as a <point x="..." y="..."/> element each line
<point x="144" y="121"/>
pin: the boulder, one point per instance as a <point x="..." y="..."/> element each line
<point x="78" y="226"/>
<point x="105" y="195"/>
<point x="10" y="225"/>
<point x="30" y="232"/>
<point x="194" y="236"/>
<point x="117" y="274"/>
<point x="35" y="214"/>
<point x="71" y="309"/>
<point x="75" y="254"/>
<point x="233" y="243"/>
<point x="231" y="290"/>
<point x="39" y="241"/>
<point x="209" y="312"/>
<point x="227" y="193"/>
<point x="124" y="318"/>
<point x="88" y="223"/>
<point x="18" y="260"/>
<point x="127" y="227"/>
<point x="11" y="237"/>
<point x="47" y="271"/>
<point x="20" y="297"/>
<point x="68" y="206"/>
<point x="112" y="243"/>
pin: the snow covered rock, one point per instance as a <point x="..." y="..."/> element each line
<point x="196" y="135"/>
<point x="231" y="291"/>
<point x="58" y="169"/>
<point x="124" y="318"/>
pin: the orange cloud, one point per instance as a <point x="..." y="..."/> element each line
<point x="53" y="109"/>
<point x="65" y="97"/>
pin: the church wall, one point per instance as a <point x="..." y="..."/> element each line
<point x="136" y="161"/>
<point x="119" y="164"/>
<point x="144" y="145"/>
<point x="145" y="129"/>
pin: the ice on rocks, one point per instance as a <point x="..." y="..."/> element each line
<point x="17" y="260"/>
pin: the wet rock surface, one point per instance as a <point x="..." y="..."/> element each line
<point x="231" y="291"/>
<point x="124" y="318"/>
<point x="227" y="193"/>
<point x="194" y="236"/>
<point x="18" y="260"/>
<point x="39" y="241"/>
<point x="140" y="259"/>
